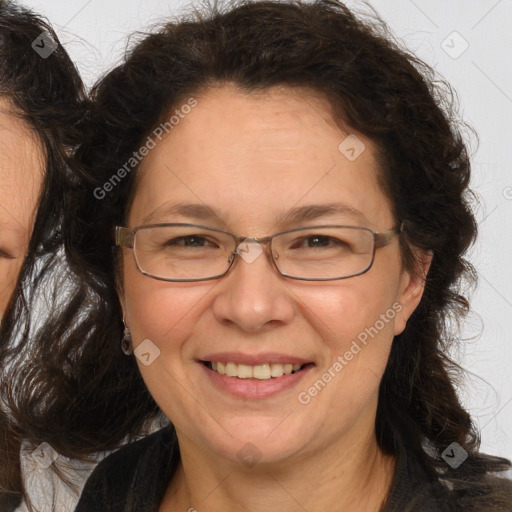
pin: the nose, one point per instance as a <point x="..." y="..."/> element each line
<point x="253" y="295"/>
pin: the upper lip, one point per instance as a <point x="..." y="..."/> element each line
<point x="254" y="359"/>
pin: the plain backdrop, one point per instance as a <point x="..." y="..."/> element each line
<point x="469" y="43"/>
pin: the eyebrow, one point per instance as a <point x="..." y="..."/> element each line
<point x="296" y="215"/>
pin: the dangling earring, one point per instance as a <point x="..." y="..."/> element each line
<point x="126" y="342"/>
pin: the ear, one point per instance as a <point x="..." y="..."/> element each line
<point x="411" y="289"/>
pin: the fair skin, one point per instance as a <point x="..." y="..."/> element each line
<point x="21" y="178"/>
<point x="252" y="158"/>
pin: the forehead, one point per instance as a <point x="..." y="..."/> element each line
<point x="21" y="171"/>
<point x="254" y="155"/>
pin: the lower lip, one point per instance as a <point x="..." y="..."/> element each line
<point x="254" y="388"/>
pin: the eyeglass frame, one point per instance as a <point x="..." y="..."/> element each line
<point x="125" y="237"/>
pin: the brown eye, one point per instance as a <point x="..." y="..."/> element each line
<point x="189" y="241"/>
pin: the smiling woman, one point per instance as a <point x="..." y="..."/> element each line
<point x="302" y="229"/>
<point x="41" y="103"/>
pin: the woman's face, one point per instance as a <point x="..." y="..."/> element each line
<point x="252" y="159"/>
<point x="21" y="176"/>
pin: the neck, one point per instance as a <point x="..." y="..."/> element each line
<point x="354" y="475"/>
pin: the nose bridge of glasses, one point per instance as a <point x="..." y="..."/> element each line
<point x="249" y="248"/>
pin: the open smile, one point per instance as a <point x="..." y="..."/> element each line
<point x="264" y="371"/>
<point x="254" y="381"/>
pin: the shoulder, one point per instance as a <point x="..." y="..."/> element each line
<point x="472" y="489"/>
<point x="137" y="470"/>
<point x="489" y="493"/>
<point x="421" y="484"/>
<point x="53" y="485"/>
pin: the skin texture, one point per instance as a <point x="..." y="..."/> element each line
<point x="21" y="177"/>
<point x="254" y="157"/>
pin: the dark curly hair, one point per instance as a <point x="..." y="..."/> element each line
<point x="82" y="395"/>
<point x="48" y="95"/>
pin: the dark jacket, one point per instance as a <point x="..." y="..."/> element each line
<point x="135" y="478"/>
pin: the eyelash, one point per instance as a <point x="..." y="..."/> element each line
<point x="6" y="255"/>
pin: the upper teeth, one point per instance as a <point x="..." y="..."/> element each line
<point x="260" y="371"/>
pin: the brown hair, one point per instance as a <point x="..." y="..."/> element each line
<point x="88" y="396"/>
<point x="47" y="93"/>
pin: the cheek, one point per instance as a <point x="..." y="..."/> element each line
<point x="9" y="270"/>
<point x="160" y="311"/>
<point x="357" y="326"/>
<point x="356" y="321"/>
<point x="166" y="314"/>
<point x="347" y="310"/>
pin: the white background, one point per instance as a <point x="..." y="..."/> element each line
<point x="95" y="34"/>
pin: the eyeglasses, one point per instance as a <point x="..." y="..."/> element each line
<point x="189" y="252"/>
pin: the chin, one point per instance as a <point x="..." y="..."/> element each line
<point x="262" y="441"/>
